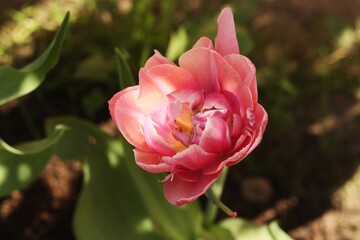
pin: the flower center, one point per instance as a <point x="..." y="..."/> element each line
<point x="183" y="121"/>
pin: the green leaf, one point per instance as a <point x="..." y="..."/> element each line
<point x="16" y="83"/>
<point x="21" y="165"/>
<point x="243" y="229"/>
<point x="119" y="200"/>
<point x="177" y="45"/>
<point x="126" y="78"/>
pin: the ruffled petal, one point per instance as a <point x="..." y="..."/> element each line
<point x="204" y="42"/>
<point x="226" y="41"/>
<point x="179" y="191"/>
<point x="245" y="100"/>
<point x="155" y="141"/>
<point x="166" y="78"/>
<point x="216" y="135"/>
<point x="201" y="64"/>
<point x="129" y="116"/>
<point x="156" y="59"/>
<point x="193" y="158"/>
<point x="150" y="162"/>
<point x="261" y="120"/>
<point x="209" y="69"/>
<point x="247" y="72"/>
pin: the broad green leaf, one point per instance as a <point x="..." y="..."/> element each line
<point x="217" y="233"/>
<point x="126" y="78"/>
<point x="243" y="229"/>
<point x="22" y="164"/>
<point x="119" y="200"/>
<point x="177" y="45"/>
<point x="16" y="83"/>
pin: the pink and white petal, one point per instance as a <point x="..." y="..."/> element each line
<point x="226" y="41"/>
<point x="261" y="120"/>
<point x="204" y="42"/>
<point x="217" y="101"/>
<point x="178" y="191"/>
<point x="193" y="158"/>
<point x="216" y="136"/>
<point x="247" y="143"/>
<point x="150" y="95"/>
<point x="247" y="72"/>
<point x="129" y="116"/>
<point x="210" y="69"/>
<point x="156" y="59"/>
<point x="155" y="141"/>
<point x="245" y="100"/>
<point x="201" y="64"/>
<point x="169" y="78"/>
<point x="237" y="125"/>
<point x="191" y="97"/>
<point x="150" y="162"/>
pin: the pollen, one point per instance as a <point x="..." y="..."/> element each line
<point x="183" y="122"/>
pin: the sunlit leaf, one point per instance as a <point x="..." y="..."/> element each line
<point x="119" y="200"/>
<point x="22" y="164"/>
<point x="242" y="229"/>
<point x="177" y="44"/>
<point x="16" y="83"/>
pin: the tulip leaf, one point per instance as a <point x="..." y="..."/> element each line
<point x="22" y="164"/>
<point x="118" y="199"/>
<point x="244" y="229"/>
<point x="177" y="45"/>
<point x="126" y="78"/>
<point x="16" y="83"/>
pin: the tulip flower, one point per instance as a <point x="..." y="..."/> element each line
<point x="193" y="119"/>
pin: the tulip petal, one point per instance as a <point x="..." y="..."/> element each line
<point x="155" y="141"/>
<point x="178" y="191"/>
<point x="150" y="162"/>
<point x="226" y="41"/>
<point x="216" y="135"/>
<point x="167" y="79"/>
<point x="156" y="59"/>
<point x="204" y="42"/>
<point x="201" y="64"/>
<point x="209" y="69"/>
<point x="247" y="72"/>
<point x="245" y="100"/>
<point x="261" y="120"/>
<point x="193" y="158"/>
<point x="129" y="116"/>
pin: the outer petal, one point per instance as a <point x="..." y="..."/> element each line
<point x="157" y="59"/>
<point x="129" y="116"/>
<point x="166" y="78"/>
<point x="245" y="100"/>
<point x="204" y="42"/>
<point x="252" y="141"/>
<point x="155" y="141"/>
<point x="246" y="70"/>
<point x="193" y="158"/>
<point x="261" y="120"/>
<point x="178" y="191"/>
<point x="209" y="69"/>
<point x="216" y="136"/>
<point x="150" y="161"/>
<point x="225" y="41"/>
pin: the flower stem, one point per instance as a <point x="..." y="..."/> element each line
<point x="214" y="194"/>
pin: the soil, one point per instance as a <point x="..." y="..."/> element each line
<point x="307" y="178"/>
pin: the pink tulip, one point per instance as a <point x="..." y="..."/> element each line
<point x="192" y="120"/>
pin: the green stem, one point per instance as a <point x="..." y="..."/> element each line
<point x="214" y="203"/>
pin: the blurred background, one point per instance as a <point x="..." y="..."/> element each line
<point x="305" y="173"/>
